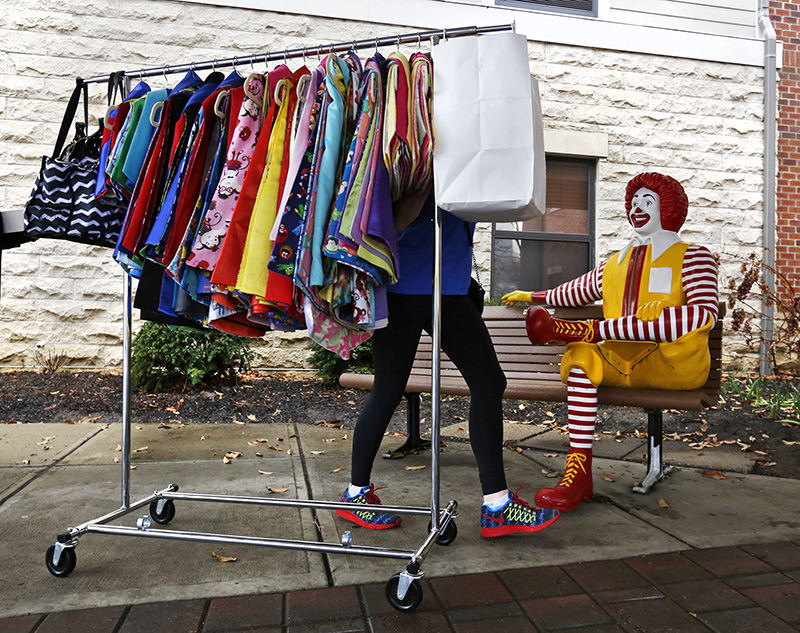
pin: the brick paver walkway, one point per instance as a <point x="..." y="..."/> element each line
<point x="748" y="589"/>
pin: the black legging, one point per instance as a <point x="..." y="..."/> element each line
<point x="466" y="342"/>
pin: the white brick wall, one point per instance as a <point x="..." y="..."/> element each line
<point x="700" y="122"/>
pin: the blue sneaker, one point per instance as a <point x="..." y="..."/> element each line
<point x="515" y="516"/>
<point x="370" y="519"/>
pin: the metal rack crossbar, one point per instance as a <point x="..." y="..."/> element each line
<point x="403" y="590"/>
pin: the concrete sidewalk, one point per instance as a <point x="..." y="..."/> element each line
<point x="54" y="476"/>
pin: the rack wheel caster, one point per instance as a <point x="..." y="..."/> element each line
<point x="410" y="601"/>
<point x="449" y="534"/>
<point x="167" y="512"/>
<point x="66" y="563"/>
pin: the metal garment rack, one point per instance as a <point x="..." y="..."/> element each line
<point x="403" y="590"/>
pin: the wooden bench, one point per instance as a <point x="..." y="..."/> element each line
<point x="532" y="372"/>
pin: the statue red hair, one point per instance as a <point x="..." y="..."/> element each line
<point x="672" y="197"/>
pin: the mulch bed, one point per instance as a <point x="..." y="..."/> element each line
<point x="76" y="397"/>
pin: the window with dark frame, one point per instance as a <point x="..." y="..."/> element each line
<point x="552" y="248"/>
<point x="576" y="7"/>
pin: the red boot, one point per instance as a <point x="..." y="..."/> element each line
<point x="542" y="328"/>
<point x="575" y="485"/>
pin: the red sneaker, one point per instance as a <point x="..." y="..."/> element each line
<point x="369" y="517"/>
<point x="575" y="485"/>
<point x="543" y="328"/>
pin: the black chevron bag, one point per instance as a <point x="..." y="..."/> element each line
<point x="62" y="204"/>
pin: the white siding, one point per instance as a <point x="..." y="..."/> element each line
<point x="733" y="18"/>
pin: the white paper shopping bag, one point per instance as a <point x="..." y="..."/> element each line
<point x="488" y="156"/>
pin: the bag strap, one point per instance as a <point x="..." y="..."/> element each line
<point x="69" y="114"/>
<point x="472" y="250"/>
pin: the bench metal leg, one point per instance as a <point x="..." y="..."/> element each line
<point x="655" y="467"/>
<point x="414" y="443"/>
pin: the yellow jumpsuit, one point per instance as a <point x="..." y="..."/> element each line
<point x="681" y="364"/>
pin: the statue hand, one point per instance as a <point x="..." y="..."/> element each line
<point x="650" y="311"/>
<point x="516" y="296"/>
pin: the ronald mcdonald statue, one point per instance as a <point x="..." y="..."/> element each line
<point x="660" y="301"/>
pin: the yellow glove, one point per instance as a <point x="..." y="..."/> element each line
<point x="650" y="311"/>
<point x="516" y="296"/>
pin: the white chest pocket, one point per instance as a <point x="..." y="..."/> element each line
<point x="660" y="281"/>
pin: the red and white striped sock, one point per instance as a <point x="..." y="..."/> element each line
<point x="581" y="409"/>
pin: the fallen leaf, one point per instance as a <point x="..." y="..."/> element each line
<point x="550" y="414"/>
<point x="607" y="476"/>
<point x="317" y="452"/>
<point x="328" y="440"/>
<point x="26" y="461"/>
<point x="223" y="559"/>
<point x="141" y="449"/>
<point x="288" y="451"/>
<point x="274" y="448"/>
<point x="250" y="416"/>
<point x="277" y="490"/>
<point x="259" y="454"/>
<point x="551" y="454"/>
<point x="338" y="470"/>
<point x="233" y="454"/>
<point x="264" y="472"/>
<point x="713" y="474"/>
<point x="226" y="460"/>
<point x="203" y="438"/>
<point x="415" y="467"/>
<point x="116" y="460"/>
<point x="662" y="504"/>
<point x="790" y="442"/>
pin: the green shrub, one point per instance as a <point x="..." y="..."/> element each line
<point x="164" y="357"/>
<point x="330" y="366"/>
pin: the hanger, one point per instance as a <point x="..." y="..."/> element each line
<point x="281" y="85"/>
<point x="220" y="97"/>
<point x="302" y="85"/>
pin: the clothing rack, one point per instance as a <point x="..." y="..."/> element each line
<point x="403" y="590"/>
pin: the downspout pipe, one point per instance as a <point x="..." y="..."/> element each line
<point x="770" y="184"/>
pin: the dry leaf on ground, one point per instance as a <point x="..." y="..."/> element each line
<point x="662" y="504"/>
<point x="264" y="472"/>
<point x="415" y="467"/>
<point x="276" y="490"/>
<point x="713" y="474"/>
<point x="338" y="470"/>
<point x="607" y="476"/>
<point x="223" y="559"/>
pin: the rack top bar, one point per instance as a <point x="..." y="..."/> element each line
<point x="405" y="38"/>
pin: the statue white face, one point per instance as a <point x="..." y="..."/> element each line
<point x="645" y="213"/>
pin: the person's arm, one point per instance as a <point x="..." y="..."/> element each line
<point x="407" y="209"/>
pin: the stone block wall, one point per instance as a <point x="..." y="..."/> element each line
<point x="698" y="121"/>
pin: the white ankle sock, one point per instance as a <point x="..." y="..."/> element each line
<point x="499" y="503"/>
<point x="353" y="491"/>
